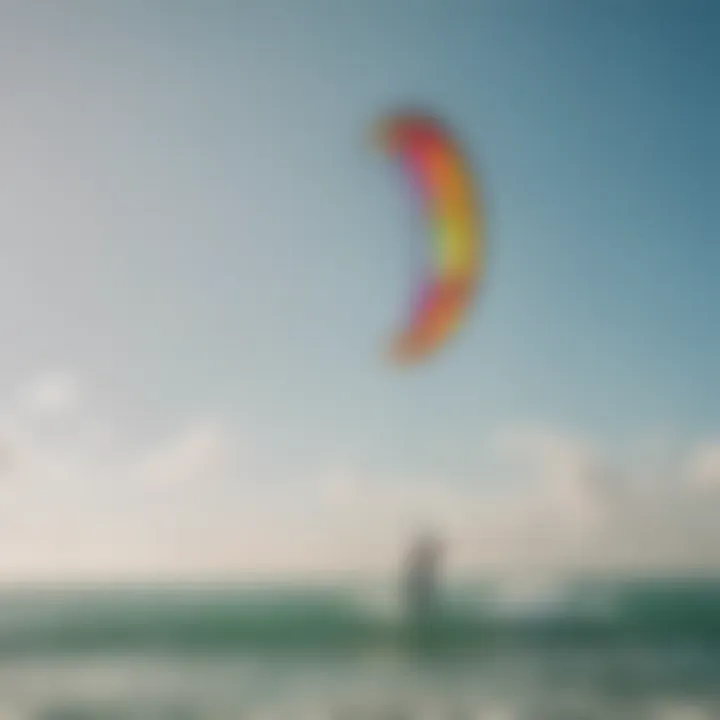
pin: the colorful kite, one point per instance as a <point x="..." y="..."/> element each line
<point x="443" y="181"/>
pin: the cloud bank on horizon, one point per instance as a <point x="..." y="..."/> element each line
<point x="80" y="501"/>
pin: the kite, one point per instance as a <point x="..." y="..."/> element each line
<point x="442" y="179"/>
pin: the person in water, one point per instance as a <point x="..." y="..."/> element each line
<point x="420" y="578"/>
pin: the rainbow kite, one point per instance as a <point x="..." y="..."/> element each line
<point x="443" y="181"/>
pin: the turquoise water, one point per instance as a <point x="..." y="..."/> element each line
<point x="630" y="650"/>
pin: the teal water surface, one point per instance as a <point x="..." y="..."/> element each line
<point x="613" y="650"/>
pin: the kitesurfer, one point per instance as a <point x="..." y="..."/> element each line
<point x="420" y="577"/>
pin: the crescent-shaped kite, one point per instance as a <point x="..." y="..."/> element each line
<point x="443" y="181"/>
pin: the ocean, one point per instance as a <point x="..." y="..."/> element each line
<point x="583" y="650"/>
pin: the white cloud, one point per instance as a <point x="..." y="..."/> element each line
<point x="53" y="393"/>
<point x="564" y="471"/>
<point x="198" y="502"/>
<point x="204" y="452"/>
<point x="703" y="466"/>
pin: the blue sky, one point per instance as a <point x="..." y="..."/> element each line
<point x="194" y="223"/>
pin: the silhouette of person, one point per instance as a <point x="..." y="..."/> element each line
<point x="420" y="578"/>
